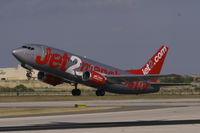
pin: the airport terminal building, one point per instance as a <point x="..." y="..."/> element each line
<point x="17" y="73"/>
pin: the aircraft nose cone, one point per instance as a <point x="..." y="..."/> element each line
<point x="16" y="52"/>
<point x="23" y="55"/>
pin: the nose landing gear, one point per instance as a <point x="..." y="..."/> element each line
<point x="29" y="75"/>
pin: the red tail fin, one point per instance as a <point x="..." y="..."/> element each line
<point x="154" y="65"/>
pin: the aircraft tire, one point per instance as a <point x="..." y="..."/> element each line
<point x="100" y="92"/>
<point x="97" y="93"/>
<point x="29" y="75"/>
<point x="76" y="92"/>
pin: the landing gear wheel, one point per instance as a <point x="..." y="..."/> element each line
<point x="29" y="75"/>
<point x="100" y="92"/>
<point x="76" y="92"/>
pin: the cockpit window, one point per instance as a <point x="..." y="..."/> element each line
<point x="27" y="47"/>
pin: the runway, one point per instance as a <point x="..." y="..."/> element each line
<point x="138" y="102"/>
<point x="179" y="116"/>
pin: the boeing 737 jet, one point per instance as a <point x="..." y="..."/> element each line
<point x="57" y="66"/>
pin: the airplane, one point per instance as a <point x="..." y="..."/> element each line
<point x="57" y="66"/>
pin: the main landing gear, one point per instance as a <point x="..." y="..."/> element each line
<point x="100" y="92"/>
<point x="76" y="92"/>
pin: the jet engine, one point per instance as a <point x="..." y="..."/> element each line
<point x="94" y="78"/>
<point x="49" y="79"/>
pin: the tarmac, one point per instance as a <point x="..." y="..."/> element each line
<point x="169" y="116"/>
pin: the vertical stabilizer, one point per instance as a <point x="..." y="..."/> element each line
<point x="154" y="65"/>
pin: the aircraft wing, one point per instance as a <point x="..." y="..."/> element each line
<point x="132" y="78"/>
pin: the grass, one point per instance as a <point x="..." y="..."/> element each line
<point x="15" y="112"/>
<point x="84" y="98"/>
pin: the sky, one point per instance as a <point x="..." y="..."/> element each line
<point x="120" y="33"/>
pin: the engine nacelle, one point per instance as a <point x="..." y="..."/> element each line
<point x="94" y="78"/>
<point x="49" y="79"/>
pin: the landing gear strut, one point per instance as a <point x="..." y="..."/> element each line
<point x="76" y="92"/>
<point x="29" y="75"/>
<point x="100" y="92"/>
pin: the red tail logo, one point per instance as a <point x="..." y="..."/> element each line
<point x="154" y="65"/>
